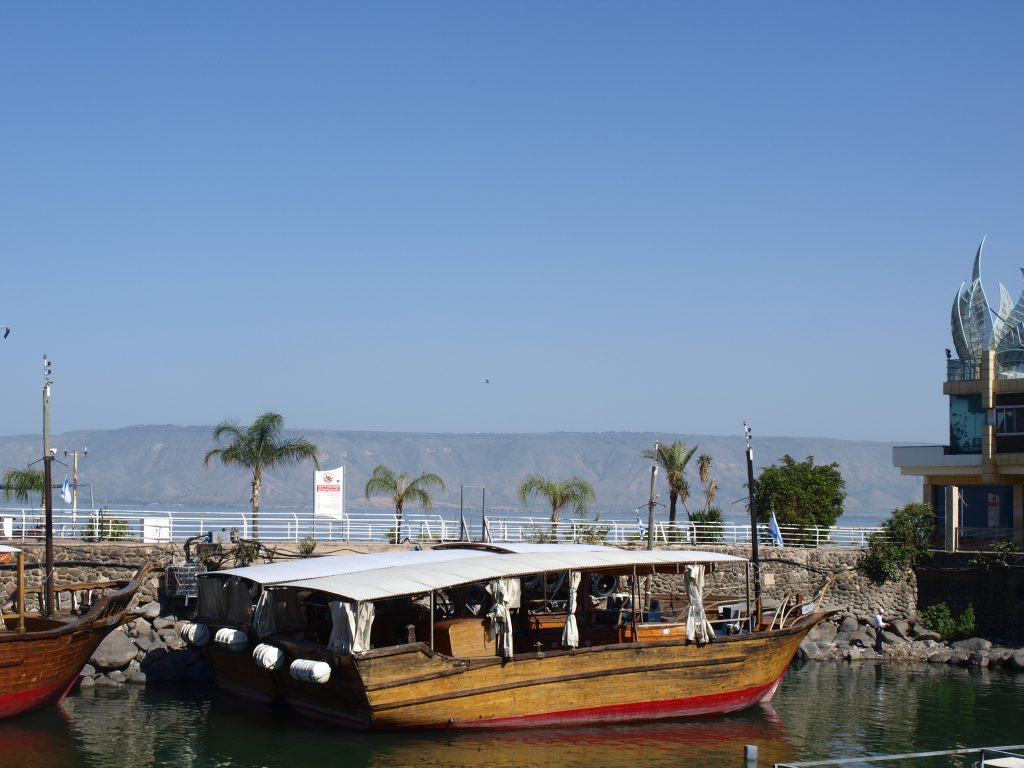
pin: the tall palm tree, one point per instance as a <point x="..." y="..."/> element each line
<point x="710" y="484"/>
<point x="19" y="483"/>
<point x="259" y="447"/>
<point x="384" y="482"/>
<point x="673" y="459"/>
<point x="573" y="492"/>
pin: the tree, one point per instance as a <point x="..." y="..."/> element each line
<point x="19" y="483"/>
<point x="259" y="447"/>
<point x="709" y="483"/>
<point x="800" y="493"/>
<point x="673" y="459"/>
<point x="905" y="539"/>
<point x="384" y="482"/>
<point x="574" y="492"/>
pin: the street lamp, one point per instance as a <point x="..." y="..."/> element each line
<point x="74" y="483"/>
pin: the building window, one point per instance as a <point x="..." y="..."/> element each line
<point x="966" y="423"/>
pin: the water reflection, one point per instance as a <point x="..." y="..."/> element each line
<point x="821" y="711"/>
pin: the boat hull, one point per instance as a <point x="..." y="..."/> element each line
<point x="408" y="687"/>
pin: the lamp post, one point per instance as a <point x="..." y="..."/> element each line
<point x="753" y="522"/>
<point x="652" y="499"/>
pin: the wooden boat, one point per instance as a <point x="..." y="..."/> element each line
<point x="470" y="636"/>
<point x="41" y="657"/>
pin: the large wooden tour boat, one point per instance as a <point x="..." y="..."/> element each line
<point x="473" y="635"/>
<point x="41" y="656"/>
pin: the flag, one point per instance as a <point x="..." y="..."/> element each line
<point x="640" y="525"/>
<point x="65" y="490"/>
<point x="773" y="530"/>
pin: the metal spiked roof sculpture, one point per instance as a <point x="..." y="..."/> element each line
<point x="976" y="327"/>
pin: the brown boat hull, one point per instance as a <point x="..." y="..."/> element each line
<point x="408" y="687"/>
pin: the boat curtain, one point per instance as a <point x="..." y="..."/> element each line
<point x="239" y="600"/>
<point x="698" y="628"/>
<point x="212" y="603"/>
<point x="350" y="626"/>
<point x="263" y="617"/>
<point x="571" y="634"/>
<point x="505" y="593"/>
<point x="288" y="613"/>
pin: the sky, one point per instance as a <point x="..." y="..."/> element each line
<point x="502" y="217"/>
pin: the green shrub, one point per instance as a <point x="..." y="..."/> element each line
<point x="905" y="539"/>
<point x="307" y="546"/>
<point x="103" y="528"/>
<point x="592" y="534"/>
<point x="710" y="520"/>
<point x="938" y="618"/>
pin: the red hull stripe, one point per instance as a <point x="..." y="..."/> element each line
<point x="22" y="701"/>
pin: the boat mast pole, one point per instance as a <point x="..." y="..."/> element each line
<point x="650" y="503"/>
<point x="48" y="483"/>
<point x="751" y="502"/>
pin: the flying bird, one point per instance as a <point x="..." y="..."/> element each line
<point x="487" y="381"/>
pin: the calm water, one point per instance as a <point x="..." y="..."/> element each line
<point x="820" y="711"/>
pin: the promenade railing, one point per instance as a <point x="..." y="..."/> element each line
<point x="160" y="526"/>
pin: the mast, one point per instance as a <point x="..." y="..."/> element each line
<point x="751" y="503"/>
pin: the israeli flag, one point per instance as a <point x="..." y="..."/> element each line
<point x="773" y="530"/>
<point x="640" y="525"/>
<point x="65" y="490"/>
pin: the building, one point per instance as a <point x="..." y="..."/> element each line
<point x="976" y="483"/>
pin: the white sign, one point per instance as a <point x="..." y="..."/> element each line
<point x="329" y="493"/>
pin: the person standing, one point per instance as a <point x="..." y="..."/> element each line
<point x="879" y="622"/>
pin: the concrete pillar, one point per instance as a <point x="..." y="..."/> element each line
<point x="952" y="516"/>
<point x="1018" y="513"/>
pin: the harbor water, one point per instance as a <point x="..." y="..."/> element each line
<point x="821" y="710"/>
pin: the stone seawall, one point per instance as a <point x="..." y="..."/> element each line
<point x="149" y="649"/>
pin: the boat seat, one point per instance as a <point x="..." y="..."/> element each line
<point x="464" y="637"/>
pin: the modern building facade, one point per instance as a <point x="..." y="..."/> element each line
<point x="976" y="483"/>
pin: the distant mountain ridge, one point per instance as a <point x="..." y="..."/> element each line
<point x="162" y="466"/>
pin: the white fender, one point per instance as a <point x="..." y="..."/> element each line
<point x="195" y="634"/>
<point x="268" y="656"/>
<point x="310" y="671"/>
<point x="231" y="639"/>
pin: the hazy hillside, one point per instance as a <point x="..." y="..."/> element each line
<point x="162" y="466"/>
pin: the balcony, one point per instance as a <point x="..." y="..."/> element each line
<point x="963" y="370"/>
<point x="923" y="457"/>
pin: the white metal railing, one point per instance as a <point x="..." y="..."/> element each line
<point x="157" y="526"/>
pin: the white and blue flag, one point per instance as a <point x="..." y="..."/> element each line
<point x="640" y="525"/>
<point x="773" y="530"/>
<point x="65" y="490"/>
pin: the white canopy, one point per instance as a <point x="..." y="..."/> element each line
<point x="421" y="572"/>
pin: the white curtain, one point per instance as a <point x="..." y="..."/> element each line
<point x="505" y="593"/>
<point x="698" y="628"/>
<point x="263" y="617"/>
<point x="364" y="622"/>
<point x="571" y="634"/>
<point x="343" y="626"/>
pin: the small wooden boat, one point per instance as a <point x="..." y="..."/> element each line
<point x="41" y="657"/>
<point x="470" y="636"/>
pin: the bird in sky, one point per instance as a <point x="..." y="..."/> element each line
<point x="487" y="381"/>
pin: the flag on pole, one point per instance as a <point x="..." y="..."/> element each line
<point x="65" y="490"/>
<point x="640" y="525"/>
<point x="773" y="530"/>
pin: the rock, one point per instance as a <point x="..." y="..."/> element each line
<point x="863" y="638"/>
<point x="843" y="638"/>
<point x="1000" y="657"/>
<point x="960" y="656"/>
<point x="927" y="634"/>
<point x="88" y="671"/>
<point x="1017" y="659"/>
<point x="117" y="676"/>
<point x="827" y="632"/>
<point x="809" y="650"/>
<point x="892" y="638"/>
<point x="86" y="682"/>
<point x="150" y="610"/>
<point x="160" y="623"/>
<point x="900" y="628"/>
<point x="136" y="678"/>
<point x="978" y="659"/>
<point x="941" y="657"/>
<point x="116" y="650"/>
<point x="972" y="644"/>
<point x="105" y="682"/>
<point x="849" y="623"/>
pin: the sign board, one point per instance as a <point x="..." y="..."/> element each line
<point x="329" y="493"/>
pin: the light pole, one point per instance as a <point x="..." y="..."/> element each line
<point x="74" y="483"/>
<point x="652" y="499"/>
<point x="47" y="381"/>
<point x="752" y="503"/>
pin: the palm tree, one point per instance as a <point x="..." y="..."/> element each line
<point x="574" y="492"/>
<point x="709" y="483"/>
<point x="19" y="483"/>
<point x="673" y="459"/>
<point x="384" y="482"/>
<point x="259" y="447"/>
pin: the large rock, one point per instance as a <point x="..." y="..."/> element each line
<point x="927" y="634"/>
<point x="116" y="650"/>
<point x="1017" y="660"/>
<point x="972" y="644"/>
<point x="827" y="632"/>
<point x="900" y="628"/>
<point x="849" y="623"/>
<point x="150" y="610"/>
<point x="809" y="650"/>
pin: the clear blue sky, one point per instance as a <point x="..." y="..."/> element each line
<point x="654" y="216"/>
